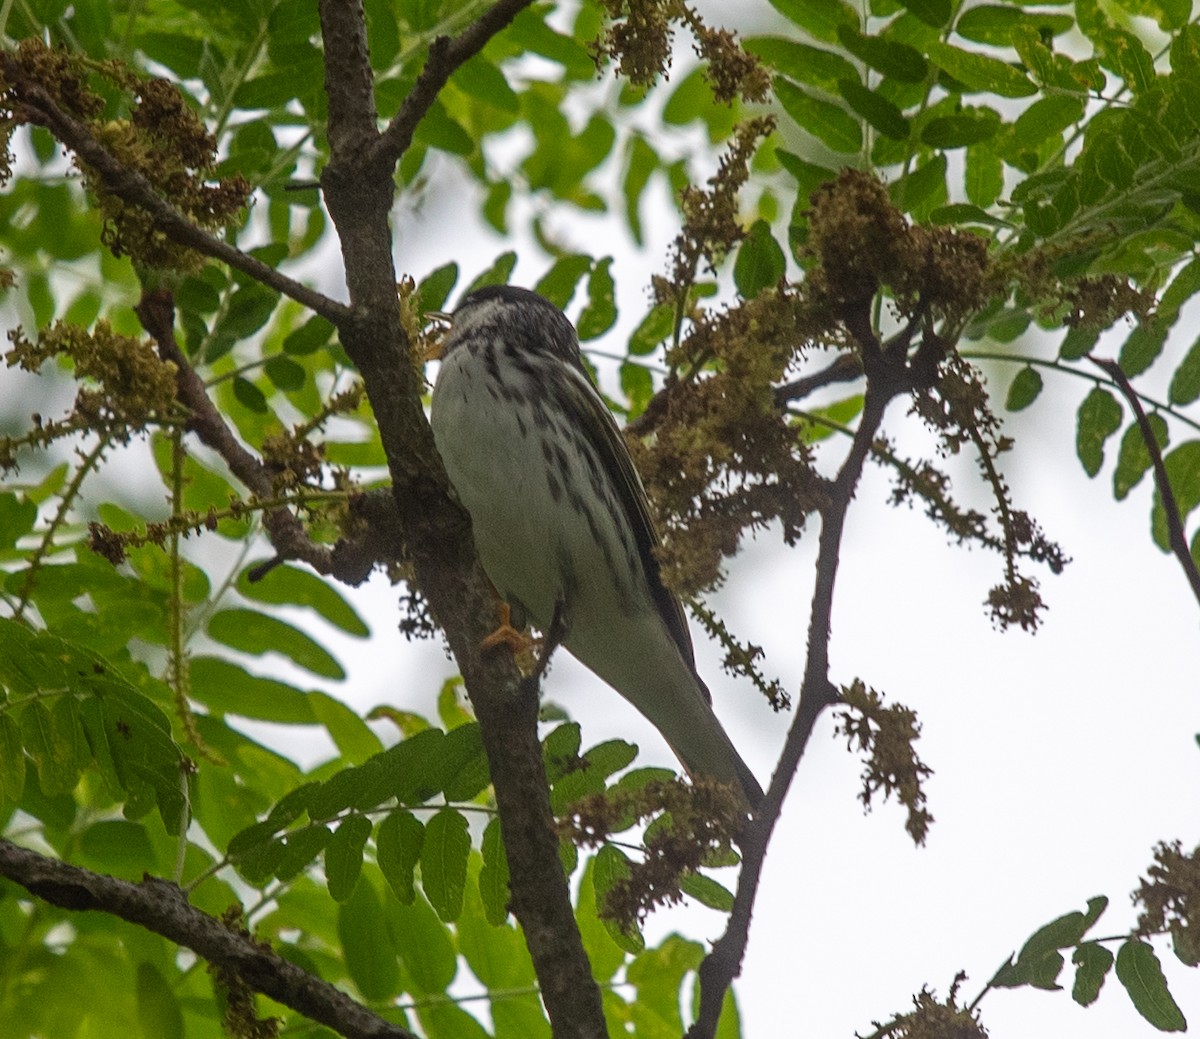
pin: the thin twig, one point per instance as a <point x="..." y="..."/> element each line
<point x="160" y="906"/>
<point x="1176" y="535"/>
<point x="446" y="55"/>
<point x="723" y="964"/>
<point x="843" y="368"/>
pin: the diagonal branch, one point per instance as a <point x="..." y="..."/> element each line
<point x="161" y="907"/>
<point x="39" y="107"/>
<point x="157" y="313"/>
<point x="446" y="55"/>
<point x="724" y="962"/>
<point x="1176" y="535"/>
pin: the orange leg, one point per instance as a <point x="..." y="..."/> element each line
<point x="506" y="635"/>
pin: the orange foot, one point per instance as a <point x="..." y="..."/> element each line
<point x="506" y="635"/>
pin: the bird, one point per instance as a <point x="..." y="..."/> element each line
<point x="561" y="520"/>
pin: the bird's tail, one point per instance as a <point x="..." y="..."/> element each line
<point x="681" y="711"/>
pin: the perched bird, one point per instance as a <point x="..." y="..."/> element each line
<point x="560" y="517"/>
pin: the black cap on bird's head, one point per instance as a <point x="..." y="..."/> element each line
<point x="519" y="320"/>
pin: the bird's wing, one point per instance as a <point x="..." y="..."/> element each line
<point x="614" y="456"/>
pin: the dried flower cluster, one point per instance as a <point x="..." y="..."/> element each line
<point x="886" y="734"/>
<point x="639" y="41"/>
<point x="695" y="823"/>
<point x="154" y="135"/>
<point x="1170" y="899"/>
<point x="126" y="387"/>
<point x="935" y="1019"/>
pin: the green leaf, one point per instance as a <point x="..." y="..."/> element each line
<point x="497" y="274"/>
<point x="560" y="750"/>
<point x="12" y="761"/>
<point x="367" y="944"/>
<point x="558" y="284"/>
<point x="1024" y="390"/>
<point x="290" y="586"/>
<point x="301" y="847"/>
<point x="922" y="190"/>
<point x="225" y="688"/>
<point x="485" y="82"/>
<point x="832" y="124"/>
<point x="158" y="1011"/>
<point x="801" y="61"/>
<point x="1047" y="117"/>
<point x="707" y="891"/>
<point x="840" y="413"/>
<point x="876" y="109"/>
<point x="658" y="975"/>
<point x="980" y="72"/>
<point x="1093" y="962"/>
<point x="427" y="949"/>
<point x="1183" y="472"/>
<point x="249" y="396"/>
<point x="819" y="18"/>
<point x="1133" y="457"/>
<point x="286" y="374"/>
<point x="353" y="736"/>
<point x="1078" y="342"/>
<point x="444" y="862"/>
<point x="604" y="954"/>
<point x="17" y="517"/>
<point x="600" y="313"/>
<point x="1185" y="382"/>
<point x="1142" y="347"/>
<point x="434" y="289"/>
<point x="249" y="631"/>
<point x="995" y="25"/>
<point x="344" y="856"/>
<point x="896" y="60"/>
<point x="641" y="161"/>
<point x="1062" y="932"/>
<point x="308" y="338"/>
<point x="398" y="849"/>
<point x="760" y="261"/>
<point x="1139" y="971"/>
<point x="493" y="875"/>
<point x="935" y="13"/>
<point x="959" y="131"/>
<point x="610" y="866"/>
<point x="1099" y="418"/>
<point x="51" y="752"/>
<point x="809" y="176"/>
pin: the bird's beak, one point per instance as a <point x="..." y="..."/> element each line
<point x="433" y="340"/>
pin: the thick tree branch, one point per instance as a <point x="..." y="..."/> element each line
<point x="1176" y="535"/>
<point x="885" y="380"/>
<point x="358" y="190"/>
<point x="37" y="106"/>
<point x="161" y="907"/>
<point x="445" y="56"/>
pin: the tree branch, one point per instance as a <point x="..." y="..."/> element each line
<point x="843" y="368"/>
<point x="445" y="56"/>
<point x="358" y="190"/>
<point x="1176" y="535"/>
<point x="885" y="380"/>
<point x="157" y="313"/>
<point x="39" y="107"/>
<point x="161" y="907"/>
